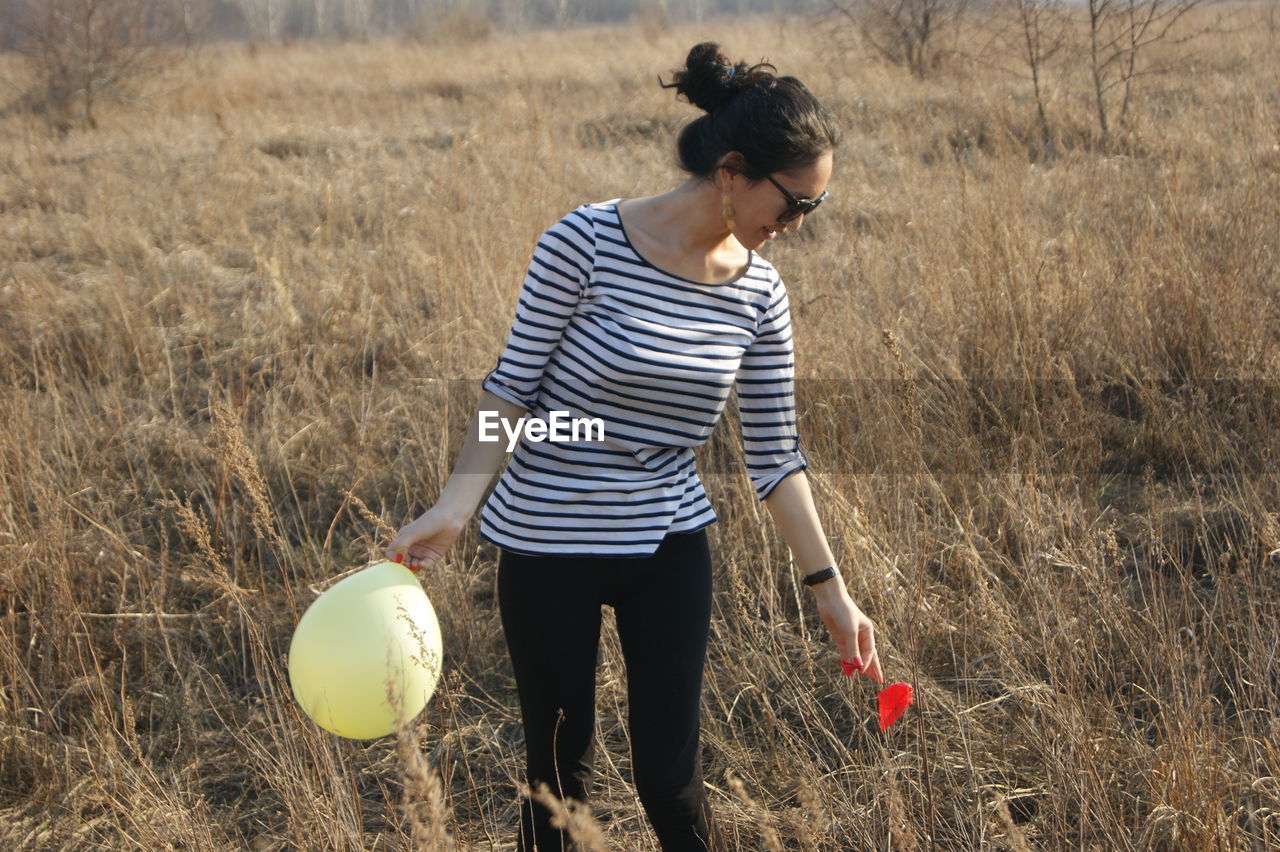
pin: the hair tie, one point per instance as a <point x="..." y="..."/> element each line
<point x="733" y="70"/>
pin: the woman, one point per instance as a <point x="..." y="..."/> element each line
<point x="641" y="314"/>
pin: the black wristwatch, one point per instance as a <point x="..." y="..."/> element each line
<point x="821" y="576"/>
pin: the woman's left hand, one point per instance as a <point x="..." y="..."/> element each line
<point x="852" y="631"/>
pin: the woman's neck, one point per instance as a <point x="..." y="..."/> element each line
<point x="689" y="219"/>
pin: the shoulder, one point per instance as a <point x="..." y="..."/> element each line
<point x="574" y="234"/>
<point x="580" y="227"/>
<point x="579" y="221"/>
<point x="763" y="270"/>
<point x="764" y="283"/>
<point x="591" y="211"/>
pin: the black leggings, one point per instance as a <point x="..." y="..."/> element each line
<point x="551" y="617"/>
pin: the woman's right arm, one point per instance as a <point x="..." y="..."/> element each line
<point x="558" y="273"/>
<point x="423" y="542"/>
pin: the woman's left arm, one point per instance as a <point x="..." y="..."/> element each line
<point x="791" y="504"/>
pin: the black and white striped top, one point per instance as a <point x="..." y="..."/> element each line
<point x="600" y="332"/>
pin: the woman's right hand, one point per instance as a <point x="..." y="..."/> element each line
<point x="422" y="543"/>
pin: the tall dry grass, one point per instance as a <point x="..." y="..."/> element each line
<point x="242" y="324"/>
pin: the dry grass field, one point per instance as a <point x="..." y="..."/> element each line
<point x="243" y="322"/>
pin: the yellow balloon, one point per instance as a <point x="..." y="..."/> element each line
<point x="366" y="655"/>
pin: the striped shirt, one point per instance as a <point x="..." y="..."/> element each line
<point x="600" y="332"/>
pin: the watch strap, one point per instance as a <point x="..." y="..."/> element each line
<point x="821" y="576"/>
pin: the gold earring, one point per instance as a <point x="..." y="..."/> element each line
<point x="727" y="210"/>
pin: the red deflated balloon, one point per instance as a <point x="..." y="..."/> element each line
<point x="893" y="699"/>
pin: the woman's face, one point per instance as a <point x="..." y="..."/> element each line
<point x="756" y="207"/>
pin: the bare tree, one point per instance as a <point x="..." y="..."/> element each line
<point x="905" y="32"/>
<point x="360" y="16"/>
<point x="87" y="51"/>
<point x="559" y="12"/>
<point x="1120" y="33"/>
<point x="321" y="19"/>
<point x="1043" y="34"/>
<point x="191" y="19"/>
<point x="263" y="18"/>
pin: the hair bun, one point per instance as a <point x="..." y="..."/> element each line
<point x="709" y="80"/>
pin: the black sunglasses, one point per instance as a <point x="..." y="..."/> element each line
<point x="796" y="207"/>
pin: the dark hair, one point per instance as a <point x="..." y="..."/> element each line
<point x="774" y="122"/>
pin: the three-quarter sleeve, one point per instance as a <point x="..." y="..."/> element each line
<point x="557" y="278"/>
<point x="765" y="387"/>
